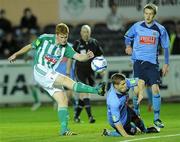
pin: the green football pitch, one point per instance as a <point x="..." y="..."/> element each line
<point x="19" y="124"/>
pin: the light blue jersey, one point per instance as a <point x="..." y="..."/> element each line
<point x="146" y="40"/>
<point x="116" y="103"/>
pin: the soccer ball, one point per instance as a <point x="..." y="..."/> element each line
<point x="99" y="64"/>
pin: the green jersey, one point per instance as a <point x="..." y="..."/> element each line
<point x="48" y="53"/>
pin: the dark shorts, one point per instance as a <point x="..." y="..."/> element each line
<point x="131" y="117"/>
<point x="84" y="76"/>
<point x="147" y="71"/>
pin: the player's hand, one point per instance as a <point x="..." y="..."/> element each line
<point x="165" y="69"/>
<point x="90" y="54"/>
<point x="128" y="50"/>
<point x="12" y="58"/>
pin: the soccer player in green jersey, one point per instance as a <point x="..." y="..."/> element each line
<point x="50" y="49"/>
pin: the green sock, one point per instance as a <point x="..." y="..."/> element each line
<point x="34" y="94"/>
<point x="83" y="88"/>
<point x="63" y="118"/>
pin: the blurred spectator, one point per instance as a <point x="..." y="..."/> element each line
<point x="8" y="46"/>
<point x="175" y="42"/>
<point x="29" y="22"/>
<point x="5" y="24"/>
<point x="114" y="20"/>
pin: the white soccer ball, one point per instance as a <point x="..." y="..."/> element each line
<point x="99" y="64"/>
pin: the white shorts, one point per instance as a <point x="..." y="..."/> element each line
<point x="45" y="77"/>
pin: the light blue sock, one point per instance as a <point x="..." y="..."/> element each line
<point x="156" y="105"/>
<point x="113" y="133"/>
<point x="136" y="105"/>
<point x="149" y="95"/>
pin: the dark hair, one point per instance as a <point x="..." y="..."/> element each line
<point x="117" y="78"/>
<point x="27" y="10"/>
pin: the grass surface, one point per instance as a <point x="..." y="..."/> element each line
<point x="22" y="125"/>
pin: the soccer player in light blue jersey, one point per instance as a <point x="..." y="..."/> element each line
<point x="146" y="36"/>
<point x="120" y="116"/>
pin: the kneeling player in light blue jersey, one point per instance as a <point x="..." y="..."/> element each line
<point x="146" y="36"/>
<point x="120" y="116"/>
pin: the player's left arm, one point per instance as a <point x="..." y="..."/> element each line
<point x="70" y="53"/>
<point x="138" y="86"/>
<point x="165" y="43"/>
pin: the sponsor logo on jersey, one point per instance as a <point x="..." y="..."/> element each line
<point x="147" y="40"/>
<point x="51" y="58"/>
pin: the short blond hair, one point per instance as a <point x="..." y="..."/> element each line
<point x="152" y="7"/>
<point x="62" y="29"/>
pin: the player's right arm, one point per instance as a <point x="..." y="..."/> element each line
<point x="22" y="51"/>
<point x="129" y="37"/>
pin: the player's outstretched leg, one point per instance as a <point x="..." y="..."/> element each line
<point x="79" y="87"/>
<point x="83" y="88"/>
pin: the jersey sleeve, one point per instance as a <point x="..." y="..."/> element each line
<point x="165" y="44"/>
<point x="131" y="82"/>
<point x="69" y="52"/>
<point x="37" y="42"/>
<point x="129" y="35"/>
<point x="115" y="114"/>
<point x="164" y="39"/>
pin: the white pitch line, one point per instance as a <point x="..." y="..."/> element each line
<point x="154" y="137"/>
